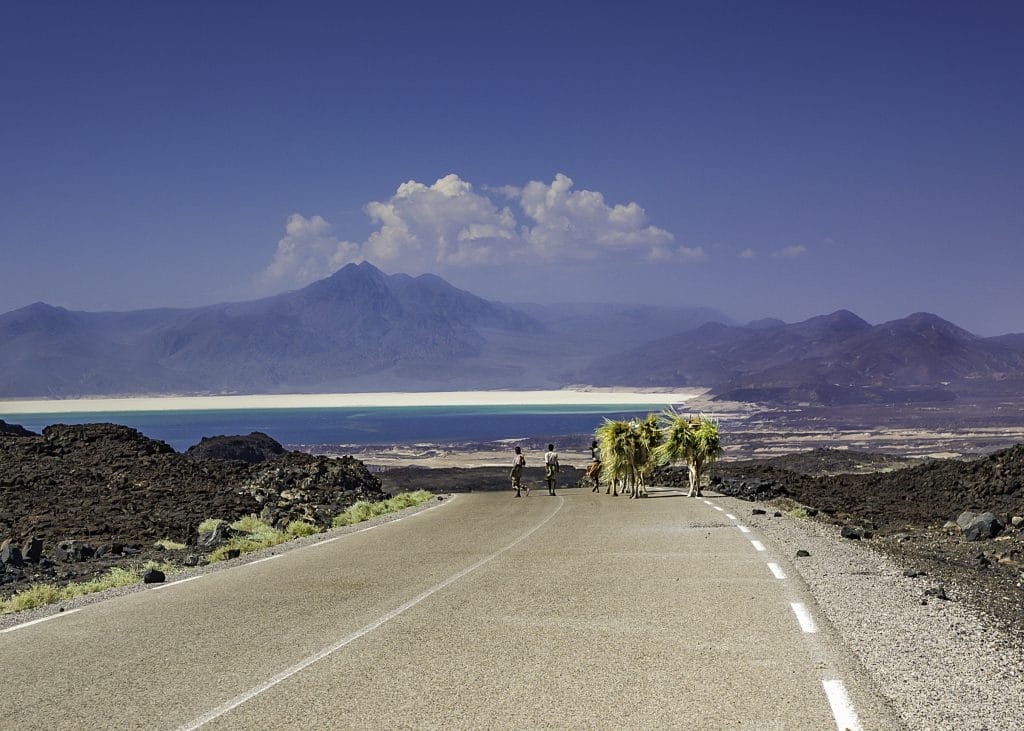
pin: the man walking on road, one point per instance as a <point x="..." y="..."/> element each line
<point x="550" y="468"/>
<point x="518" y="463"/>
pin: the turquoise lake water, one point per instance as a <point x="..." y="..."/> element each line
<point x="353" y="425"/>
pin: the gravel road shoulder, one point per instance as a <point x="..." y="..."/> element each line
<point x="941" y="664"/>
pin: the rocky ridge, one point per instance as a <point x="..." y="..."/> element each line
<point x="256" y="447"/>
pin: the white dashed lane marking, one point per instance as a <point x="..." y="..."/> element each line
<point x="804" y="618"/>
<point x="842" y="709"/>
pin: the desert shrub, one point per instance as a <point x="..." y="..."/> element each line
<point x="300" y="528"/>
<point x="117" y="576"/>
<point x="254" y="535"/>
<point x="209" y="525"/>
<point x="364" y="510"/>
<point x="250" y="524"/>
<point x="357" y="512"/>
<point x="168" y="545"/>
<point x="797" y="513"/>
<point x="166" y="568"/>
<point x="409" y="499"/>
<point x="250" y="543"/>
<point x="37" y="595"/>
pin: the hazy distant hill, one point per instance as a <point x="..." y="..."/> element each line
<point x="358" y="329"/>
<point x="1014" y="341"/>
<point x="361" y="329"/>
<point x="837" y="358"/>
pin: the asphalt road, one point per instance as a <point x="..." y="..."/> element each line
<point x="483" y="611"/>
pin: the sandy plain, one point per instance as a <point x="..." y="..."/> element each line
<point x="754" y="431"/>
<point x="577" y="396"/>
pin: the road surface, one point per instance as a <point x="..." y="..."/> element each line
<point x="482" y="611"/>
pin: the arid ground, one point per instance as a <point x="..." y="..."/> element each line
<point x="896" y="477"/>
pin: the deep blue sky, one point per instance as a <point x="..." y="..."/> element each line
<point x="782" y="161"/>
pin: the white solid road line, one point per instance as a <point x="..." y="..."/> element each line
<point x="37" y="621"/>
<point x="169" y="584"/>
<point x="302" y="665"/>
<point x="776" y="571"/>
<point x="842" y="709"/>
<point x="804" y="618"/>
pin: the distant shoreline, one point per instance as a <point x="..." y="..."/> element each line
<point x="570" y="396"/>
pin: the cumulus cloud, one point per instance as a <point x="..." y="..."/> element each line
<point x="308" y="251"/>
<point x="450" y="224"/>
<point x="445" y="224"/>
<point x="684" y="254"/>
<point x="790" y="252"/>
<point x="748" y="253"/>
<point x="580" y="225"/>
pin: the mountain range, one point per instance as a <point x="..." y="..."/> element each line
<point x="831" y="359"/>
<point x="361" y="329"/>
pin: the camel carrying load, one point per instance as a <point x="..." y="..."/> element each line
<point x="630" y="450"/>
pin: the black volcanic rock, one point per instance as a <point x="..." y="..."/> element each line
<point x="103" y="483"/>
<point x="929" y="493"/>
<point x="104" y="442"/>
<point x="14" y="430"/>
<point x="313" y="489"/>
<point x="255" y="447"/>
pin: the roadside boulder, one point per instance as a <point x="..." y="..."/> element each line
<point x="73" y="551"/>
<point x="33" y="549"/>
<point x="11" y="555"/>
<point x="979" y="526"/>
<point x="154" y="576"/>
